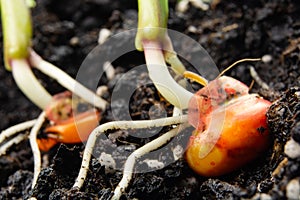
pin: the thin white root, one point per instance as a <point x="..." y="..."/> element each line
<point x="15" y="140"/>
<point x="257" y="79"/>
<point x="129" y="164"/>
<point x="118" y="125"/>
<point x="160" y="76"/>
<point x="238" y="62"/>
<point x="34" y="146"/>
<point x="66" y="81"/>
<point x="16" y="129"/>
<point x="28" y="83"/>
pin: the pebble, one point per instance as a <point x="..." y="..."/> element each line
<point x="182" y="6"/>
<point x="267" y="58"/>
<point x="293" y="189"/>
<point x="292" y="149"/>
<point x="103" y="35"/>
<point x="200" y="4"/>
<point x="74" y="41"/>
<point x="192" y="29"/>
<point x="154" y="164"/>
<point x="108" y="162"/>
<point x="177" y="152"/>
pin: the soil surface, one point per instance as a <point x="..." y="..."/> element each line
<point x="66" y="31"/>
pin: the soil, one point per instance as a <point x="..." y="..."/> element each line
<point x="229" y="31"/>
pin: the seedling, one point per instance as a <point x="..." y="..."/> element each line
<point x="230" y="124"/>
<point x="19" y="57"/>
<point x="227" y="119"/>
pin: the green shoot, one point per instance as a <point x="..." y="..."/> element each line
<point x="152" y="37"/>
<point x="17" y="30"/>
<point x="19" y="57"/>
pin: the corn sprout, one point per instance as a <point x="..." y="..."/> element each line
<point x="19" y="57"/>
<point x="153" y="39"/>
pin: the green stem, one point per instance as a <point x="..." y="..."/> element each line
<point x="152" y="21"/>
<point x="17" y="30"/>
<point x="152" y="26"/>
<point x="152" y="37"/>
<point x="17" y="33"/>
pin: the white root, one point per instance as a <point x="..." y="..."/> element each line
<point x="129" y="164"/>
<point x="66" y="81"/>
<point x="15" y="140"/>
<point x="28" y="83"/>
<point x="34" y="147"/>
<point x="160" y="76"/>
<point x="118" y="125"/>
<point x="11" y="131"/>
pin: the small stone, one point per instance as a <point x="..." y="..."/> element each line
<point x="293" y="189"/>
<point x="74" y="41"/>
<point x="103" y="35"/>
<point x="177" y="152"/>
<point x="108" y="162"/>
<point x="267" y="58"/>
<point x="199" y="4"/>
<point x="192" y="29"/>
<point x="182" y="6"/>
<point x="292" y="149"/>
<point x="154" y="164"/>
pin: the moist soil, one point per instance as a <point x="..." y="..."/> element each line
<point x="66" y="31"/>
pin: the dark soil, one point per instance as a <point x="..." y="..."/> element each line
<point x="230" y="31"/>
